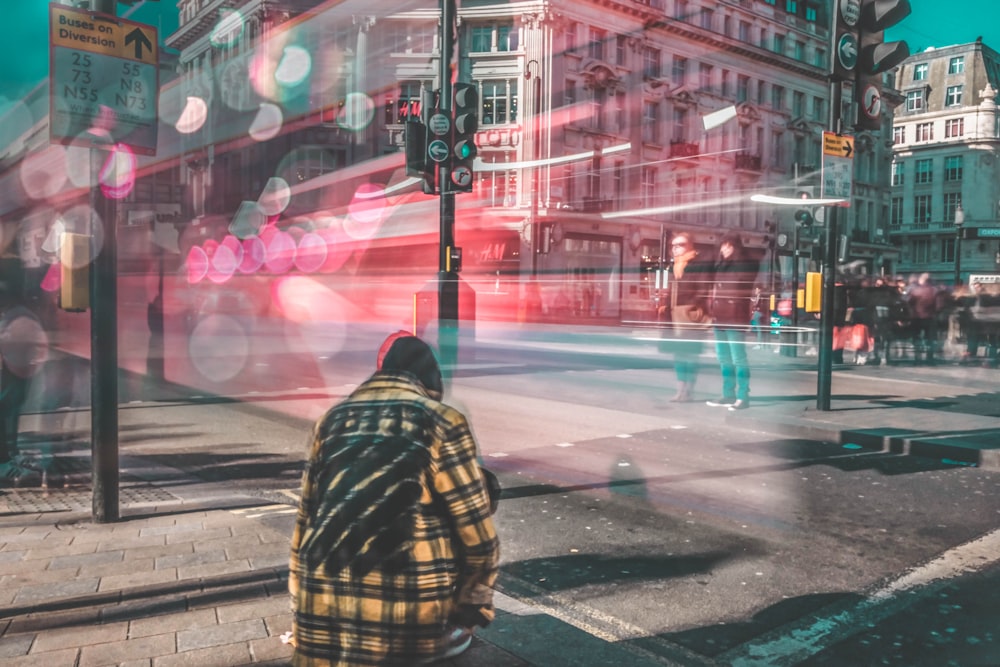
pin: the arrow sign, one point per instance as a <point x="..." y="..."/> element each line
<point x="438" y="150"/>
<point x="140" y="39"/>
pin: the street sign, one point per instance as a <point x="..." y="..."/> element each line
<point x="438" y="150"/>
<point x="439" y="124"/>
<point x="461" y="176"/>
<point x="871" y="102"/>
<point x="104" y="80"/>
<point x="838" y="167"/>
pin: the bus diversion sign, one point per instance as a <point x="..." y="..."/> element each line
<point x="104" y="80"/>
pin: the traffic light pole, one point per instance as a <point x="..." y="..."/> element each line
<point x="447" y="277"/>
<point x="104" y="340"/>
<point x="824" y="374"/>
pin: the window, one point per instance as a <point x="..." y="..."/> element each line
<point x="742" y="88"/>
<point x="569" y="38"/>
<point x="899" y="134"/>
<point x="948" y="249"/>
<point x="506" y="37"/>
<point x="621" y="50"/>
<point x="914" y="100"/>
<point x="705" y="76"/>
<point x="569" y="99"/>
<point x="956" y="65"/>
<point x="923" y="172"/>
<point x="819" y="59"/>
<point x="896" y="212"/>
<point x="651" y="63"/>
<point x="810" y="14"/>
<point x="951" y="202"/>
<point x="680" y="124"/>
<point x="724" y="77"/>
<point x="620" y="120"/>
<point x="798" y="104"/>
<point x="920" y="71"/>
<point x="819" y="108"/>
<point x="744" y="33"/>
<point x="650" y="122"/>
<point x="777" y="149"/>
<point x="779" y="44"/>
<point x="681" y="10"/>
<point x="598" y="98"/>
<point x="771" y="2"/>
<point x="954" y="127"/>
<point x="595" y="47"/>
<point x="680" y="69"/>
<point x="777" y="97"/>
<point x="618" y="185"/>
<point x="897" y="173"/>
<point x="706" y="18"/>
<point x="922" y="209"/>
<point x="482" y="38"/>
<point x="498" y="108"/>
<point x="953" y="96"/>
<point x="406" y="106"/>
<point x="953" y="168"/>
<point x="792" y="6"/>
<point x="648" y="186"/>
<point x="921" y="251"/>
<point x="799" y="50"/>
<point x="925" y="131"/>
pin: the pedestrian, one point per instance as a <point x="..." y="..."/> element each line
<point x="924" y="302"/>
<point x="732" y="293"/>
<point x="689" y="280"/>
<point x="394" y="553"/>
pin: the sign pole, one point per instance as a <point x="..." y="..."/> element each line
<point x="824" y="374"/>
<point x="447" y="276"/>
<point x="105" y="478"/>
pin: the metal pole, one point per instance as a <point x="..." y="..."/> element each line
<point x="958" y="254"/>
<point x="104" y="341"/>
<point x="447" y="278"/>
<point x="824" y="373"/>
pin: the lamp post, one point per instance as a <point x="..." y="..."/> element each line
<point x="959" y="220"/>
<point x="536" y="149"/>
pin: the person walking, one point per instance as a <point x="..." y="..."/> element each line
<point x="688" y="284"/>
<point x="924" y="303"/>
<point x="732" y="295"/>
<point x="394" y="553"/>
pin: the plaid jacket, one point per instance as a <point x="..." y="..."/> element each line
<point x="397" y="613"/>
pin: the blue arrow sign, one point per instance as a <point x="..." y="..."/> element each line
<point x="847" y="50"/>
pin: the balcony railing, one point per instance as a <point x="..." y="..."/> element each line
<point x="748" y="162"/>
<point x="684" y="149"/>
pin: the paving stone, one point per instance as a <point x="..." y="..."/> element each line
<point x="170" y="528"/>
<point x="219" y="635"/>
<point x="99" y="533"/>
<point x="11" y="557"/>
<point x="275" y="559"/>
<point x="58" y="589"/>
<point x="112" y="569"/>
<point x="253" y="609"/>
<point x="130" y="649"/>
<point x="132" y="543"/>
<point x="47" y="550"/>
<point x="85" y="560"/>
<point x="230" y="542"/>
<point x="141" y="578"/>
<point x="271" y="648"/>
<point x="190" y="559"/>
<point x="16" y="645"/>
<point x="279" y="624"/>
<point x="157" y="551"/>
<point x="64" y="658"/>
<point x="216" y="656"/>
<point x="198" y="535"/>
<point x="145" y="662"/>
<point x="213" y="569"/>
<point x="60" y="638"/>
<point x="183" y="620"/>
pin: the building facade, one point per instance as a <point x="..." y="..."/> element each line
<point x="944" y="172"/>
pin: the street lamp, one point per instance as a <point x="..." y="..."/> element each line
<point x="959" y="220"/>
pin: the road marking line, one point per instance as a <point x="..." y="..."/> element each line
<point x="795" y="642"/>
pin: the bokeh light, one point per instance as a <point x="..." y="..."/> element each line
<point x="197" y="263"/>
<point x="219" y="347"/>
<point x="223" y="264"/>
<point x="311" y="253"/>
<point x="267" y="123"/>
<point x="43" y="172"/>
<point x="358" y="112"/>
<point x="194" y="115"/>
<point x="81" y="219"/>
<point x="249" y="220"/>
<point x="229" y="29"/>
<point x="254" y="254"/>
<point x="280" y="256"/>
<point x="366" y="211"/>
<point x="23" y="343"/>
<point x="275" y="196"/>
<point x="294" y="66"/>
<point x="118" y="173"/>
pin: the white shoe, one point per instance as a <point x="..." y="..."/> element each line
<point x="457" y="641"/>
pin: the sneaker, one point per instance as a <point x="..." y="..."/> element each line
<point x="457" y="640"/>
<point x="739" y="404"/>
<point x="723" y="402"/>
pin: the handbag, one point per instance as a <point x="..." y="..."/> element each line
<point x="688" y="317"/>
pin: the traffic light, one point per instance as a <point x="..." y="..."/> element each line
<point x="876" y="56"/>
<point x="804" y="217"/>
<point x="844" y="40"/>
<point x="465" y="105"/>
<point x="417" y="162"/>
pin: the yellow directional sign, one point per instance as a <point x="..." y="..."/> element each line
<point x="103" y="34"/>
<point x="838" y="145"/>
